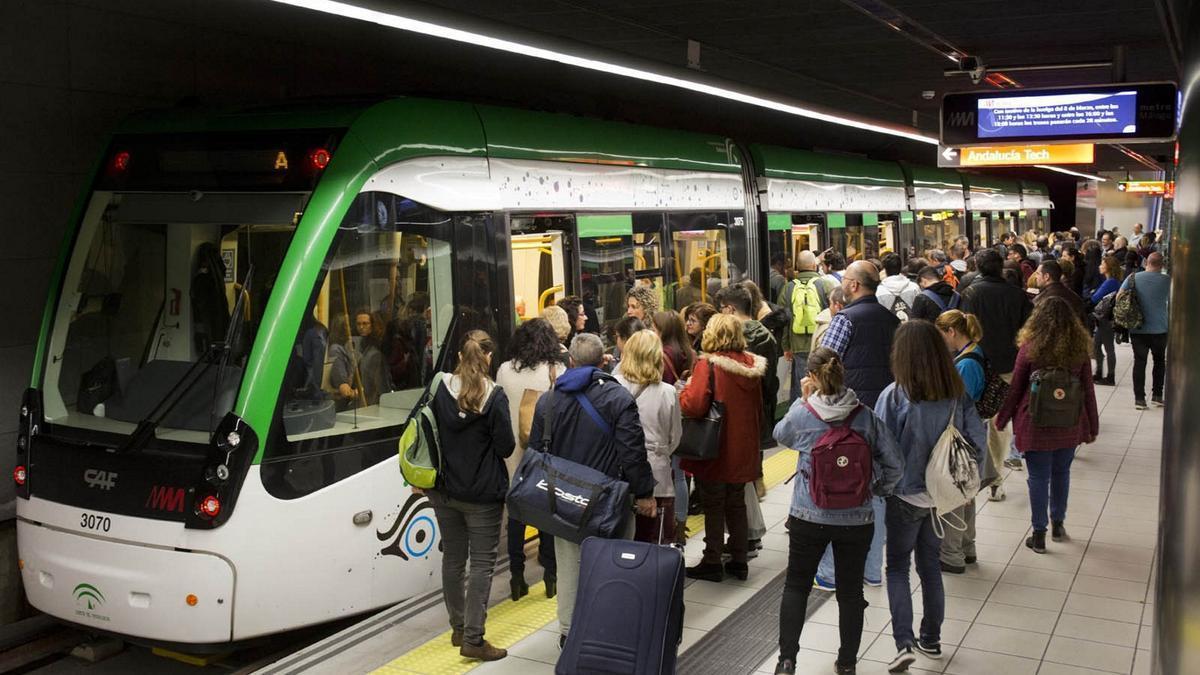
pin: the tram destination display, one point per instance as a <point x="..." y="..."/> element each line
<point x="1119" y="113"/>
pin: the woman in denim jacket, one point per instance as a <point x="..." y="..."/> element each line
<point x="917" y="408"/>
<point x="811" y="528"/>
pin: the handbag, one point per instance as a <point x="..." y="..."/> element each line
<point x="701" y="438"/>
<point x="563" y="498"/>
<point x="525" y="413"/>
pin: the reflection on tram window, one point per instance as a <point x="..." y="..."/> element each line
<point x="150" y="291"/>
<point x="602" y="264"/>
<point x="540" y="261"/>
<point x="369" y="340"/>
<point x="938" y="230"/>
<point x="700" y="242"/>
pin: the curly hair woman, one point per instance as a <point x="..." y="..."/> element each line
<point x="1053" y="339"/>
<point x="534" y="363"/>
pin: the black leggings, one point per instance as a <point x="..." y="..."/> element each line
<point x="806" y="545"/>
<point x="1103" y="341"/>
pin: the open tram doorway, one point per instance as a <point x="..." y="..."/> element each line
<point x="542" y="268"/>
<point x="886" y="234"/>
<point x="790" y="234"/>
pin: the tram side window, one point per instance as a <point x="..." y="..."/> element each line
<point x="704" y="258"/>
<point x="370" y="338"/>
<point x="603" y="263"/>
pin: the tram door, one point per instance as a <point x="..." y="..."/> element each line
<point x="699" y="258"/>
<point x="886" y="234"/>
<point x="981" y="232"/>
<point x="542" y="270"/>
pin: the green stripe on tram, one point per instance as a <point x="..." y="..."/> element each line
<point x="604" y="225"/>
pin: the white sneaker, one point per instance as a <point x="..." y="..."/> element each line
<point x="904" y="658"/>
<point x="997" y="494"/>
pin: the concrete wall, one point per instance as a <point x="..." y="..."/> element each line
<point x="1115" y="208"/>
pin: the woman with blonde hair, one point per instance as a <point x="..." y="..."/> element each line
<point x="641" y="302"/>
<point x="727" y="373"/>
<point x="640" y="371"/>
<point x="1054" y="356"/>
<point x="962" y="334"/>
<point x="475" y="436"/>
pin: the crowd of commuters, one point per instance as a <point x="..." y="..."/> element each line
<point x="886" y="360"/>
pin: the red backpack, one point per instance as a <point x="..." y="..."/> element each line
<point x="842" y="465"/>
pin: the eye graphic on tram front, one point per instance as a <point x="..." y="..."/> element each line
<point x="413" y="533"/>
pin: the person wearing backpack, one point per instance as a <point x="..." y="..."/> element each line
<point x="962" y="333"/>
<point x="845" y="457"/>
<point x="475" y="437"/>
<point x="805" y="297"/>
<point x="936" y="295"/>
<point x="1052" y="405"/>
<point x="1153" y="290"/>
<point x="926" y="404"/>
<point x="641" y="373"/>
<point x="524" y="378"/>
<point x="896" y="292"/>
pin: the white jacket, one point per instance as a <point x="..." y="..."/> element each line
<point x="662" y="422"/>
<point x="514" y="383"/>
<point x="897" y="286"/>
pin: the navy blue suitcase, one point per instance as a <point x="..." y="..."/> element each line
<point x="628" y="614"/>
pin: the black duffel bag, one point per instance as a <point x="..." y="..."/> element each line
<point x="563" y="498"/>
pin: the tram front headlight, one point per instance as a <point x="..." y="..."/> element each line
<point x="20" y="475"/>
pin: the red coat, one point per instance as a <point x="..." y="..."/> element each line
<point x="1031" y="438"/>
<point x="738" y="379"/>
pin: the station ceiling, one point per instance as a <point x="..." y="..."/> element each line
<point x="884" y="61"/>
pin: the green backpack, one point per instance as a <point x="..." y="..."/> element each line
<point x="807" y="303"/>
<point x="1127" y="310"/>
<point x="1055" y="398"/>
<point x="420" y="450"/>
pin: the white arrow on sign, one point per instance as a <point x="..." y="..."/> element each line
<point x="949" y="154"/>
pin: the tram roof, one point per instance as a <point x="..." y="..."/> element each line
<point x="982" y="183"/>
<point x="790" y="164"/>
<point x="391" y="128"/>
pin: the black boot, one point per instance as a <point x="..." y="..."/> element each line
<point x="518" y="587"/>
<point x="1058" y="532"/>
<point x="551" y="585"/>
<point x="707" y="572"/>
<point x="1037" y="542"/>
<point x="739" y="571"/>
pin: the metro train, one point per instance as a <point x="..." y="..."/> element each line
<point x="249" y="304"/>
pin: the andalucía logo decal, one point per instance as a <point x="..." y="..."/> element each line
<point x="87" y="593"/>
<point x="87" y="599"/>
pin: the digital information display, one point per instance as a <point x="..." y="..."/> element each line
<point x="1110" y="113"/>
<point x="1082" y="114"/>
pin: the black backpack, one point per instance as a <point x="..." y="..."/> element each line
<point x="1055" y="398"/>
<point x="995" y="389"/>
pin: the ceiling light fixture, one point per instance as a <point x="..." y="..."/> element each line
<point x="431" y="29"/>
<point x="1070" y="172"/>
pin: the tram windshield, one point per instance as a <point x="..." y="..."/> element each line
<point x="149" y="291"/>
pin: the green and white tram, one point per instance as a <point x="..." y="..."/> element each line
<point x="247" y="308"/>
<point x="249" y="304"/>
<point x="813" y="201"/>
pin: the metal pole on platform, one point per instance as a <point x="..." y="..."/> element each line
<point x="1177" y="591"/>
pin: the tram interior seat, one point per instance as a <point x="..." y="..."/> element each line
<point x="150" y="385"/>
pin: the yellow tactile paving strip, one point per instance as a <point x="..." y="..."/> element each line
<point x="510" y="622"/>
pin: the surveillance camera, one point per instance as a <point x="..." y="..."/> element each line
<point x="928" y="94"/>
<point x="977" y="74"/>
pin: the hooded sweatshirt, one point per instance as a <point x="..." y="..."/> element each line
<point x="619" y="453"/>
<point x="800" y="430"/>
<point x="897" y="286"/>
<point x="473" y="444"/>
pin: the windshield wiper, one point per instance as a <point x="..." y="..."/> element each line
<point x="216" y="353"/>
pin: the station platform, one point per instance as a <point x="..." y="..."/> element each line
<point x="1086" y="606"/>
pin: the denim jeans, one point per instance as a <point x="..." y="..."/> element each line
<point x="516" y="552"/>
<point x="1144" y="346"/>
<point x="874" y="567"/>
<point x="910" y="532"/>
<point x="1049" y="484"/>
<point x="470" y="532"/>
<point x="799" y="370"/>
<point x="806" y="541"/>
<point x="681" y="490"/>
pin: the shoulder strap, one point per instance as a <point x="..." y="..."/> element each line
<point x="591" y="411"/>
<point x="836" y="276"/>
<point x="548" y="420"/>
<point x="813" y="411"/>
<point x="955" y="298"/>
<point x="937" y="299"/>
<point x="553" y="376"/>
<point x="641" y="391"/>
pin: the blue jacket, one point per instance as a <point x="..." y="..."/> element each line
<point x="917" y="427"/>
<point x="800" y="429"/>
<point x="1109" y="286"/>
<point x="577" y="438"/>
